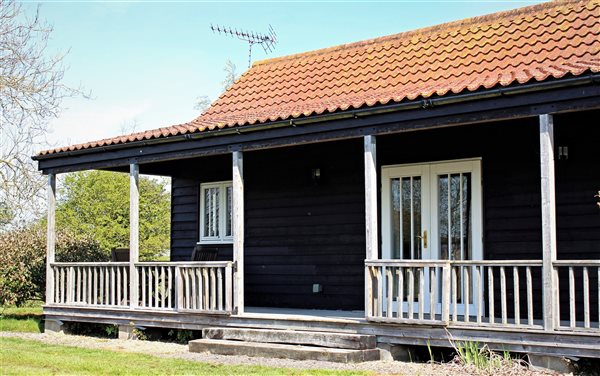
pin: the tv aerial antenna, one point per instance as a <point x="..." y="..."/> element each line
<point x="267" y="40"/>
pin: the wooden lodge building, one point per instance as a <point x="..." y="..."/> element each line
<point x="434" y="184"/>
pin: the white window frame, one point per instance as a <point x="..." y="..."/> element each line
<point x="222" y="185"/>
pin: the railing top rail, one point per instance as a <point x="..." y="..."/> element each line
<point x="188" y="264"/>
<point x="406" y="263"/>
<point x="89" y="264"/>
<point x="431" y="263"/>
<point x="498" y="262"/>
<point x="576" y="263"/>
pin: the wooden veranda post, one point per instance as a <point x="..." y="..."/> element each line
<point x="51" y="238"/>
<point x="548" y="221"/>
<point x="238" y="231"/>
<point x="372" y="242"/>
<point x="134" y="231"/>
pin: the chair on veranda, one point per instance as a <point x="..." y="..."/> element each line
<point x="203" y="253"/>
<point x="119" y="254"/>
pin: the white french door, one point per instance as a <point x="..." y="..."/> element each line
<point x="432" y="211"/>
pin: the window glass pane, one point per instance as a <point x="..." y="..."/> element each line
<point x="229" y="214"/>
<point x="211" y="212"/>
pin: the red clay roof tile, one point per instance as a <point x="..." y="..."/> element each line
<point x="533" y="43"/>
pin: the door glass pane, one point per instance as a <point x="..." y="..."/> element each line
<point x="454" y="205"/>
<point x="406" y="217"/>
<point x="396" y="218"/>
<point x="455" y="217"/>
<point x="406" y="225"/>
<point x="454" y="208"/>
<point x="416" y="237"/>
<point x="443" y="216"/>
<point x="467" y="215"/>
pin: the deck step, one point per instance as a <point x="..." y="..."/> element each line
<point x="286" y="351"/>
<point x="295" y="337"/>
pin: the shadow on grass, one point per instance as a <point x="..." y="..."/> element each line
<point x="21" y="319"/>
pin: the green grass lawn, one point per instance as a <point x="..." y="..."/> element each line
<point x="21" y="319"/>
<point x="25" y="357"/>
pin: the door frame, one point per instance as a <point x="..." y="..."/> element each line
<point x="387" y="172"/>
<point x="429" y="172"/>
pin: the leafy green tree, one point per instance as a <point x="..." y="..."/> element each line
<point x="96" y="203"/>
<point x="23" y="260"/>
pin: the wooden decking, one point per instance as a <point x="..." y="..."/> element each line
<point x="535" y="341"/>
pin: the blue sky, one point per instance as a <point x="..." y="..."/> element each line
<point x="146" y="62"/>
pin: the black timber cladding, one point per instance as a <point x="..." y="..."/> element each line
<point x="299" y="232"/>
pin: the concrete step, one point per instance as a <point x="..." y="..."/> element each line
<point x="323" y="339"/>
<point x="276" y="350"/>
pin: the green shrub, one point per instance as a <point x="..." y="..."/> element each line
<point x="23" y="261"/>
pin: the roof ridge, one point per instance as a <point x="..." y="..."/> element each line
<point x="459" y="24"/>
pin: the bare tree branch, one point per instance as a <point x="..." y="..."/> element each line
<point x="31" y="92"/>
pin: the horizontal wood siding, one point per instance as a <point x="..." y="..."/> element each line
<point x="184" y="218"/>
<point x="185" y="205"/>
<point x="578" y="216"/>
<point x="301" y="232"/>
<point x="511" y="185"/>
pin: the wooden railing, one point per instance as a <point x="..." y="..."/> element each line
<point x="180" y="286"/>
<point x="583" y="285"/>
<point x="472" y="293"/>
<point x="91" y="283"/>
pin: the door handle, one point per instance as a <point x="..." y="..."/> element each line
<point x="424" y="238"/>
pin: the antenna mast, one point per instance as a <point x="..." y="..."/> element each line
<point x="267" y="41"/>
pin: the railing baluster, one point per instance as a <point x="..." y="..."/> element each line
<point x="432" y="290"/>
<point x="206" y="285"/>
<point x="454" y="295"/>
<point x="89" y="284"/>
<point x="586" y="298"/>
<point x="194" y="297"/>
<point x="188" y="289"/>
<point x="101" y="273"/>
<point x="78" y="284"/>
<point x="169" y="287"/>
<point x="421" y="293"/>
<point x="517" y="298"/>
<point x="467" y="288"/>
<point x="95" y="297"/>
<point x="411" y="292"/>
<point x="503" y="295"/>
<point x="446" y="286"/>
<point x="491" y="294"/>
<point x="572" y="318"/>
<point x="379" y="305"/>
<point x="529" y="297"/>
<point x="56" y="291"/>
<point x="119" y="291"/>
<point x="228" y="289"/>
<point x="143" y="282"/>
<point x="219" y="289"/>
<point x="156" y="288"/>
<point x="400" y="299"/>
<point x="213" y="290"/>
<point x="390" y="292"/>
<point x="126" y="297"/>
<point x="479" y="287"/>
<point x="163" y="289"/>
